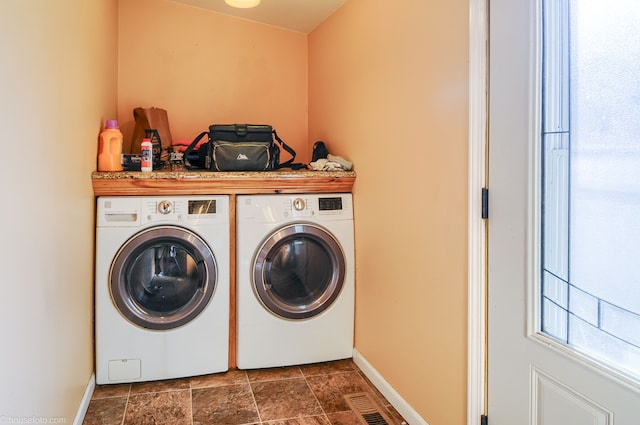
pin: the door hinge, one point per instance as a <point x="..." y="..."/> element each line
<point x="485" y="203"/>
<point x="484" y="420"/>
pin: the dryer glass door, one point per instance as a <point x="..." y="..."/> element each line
<point x="163" y="277"/>
<point x="299" y="271"/>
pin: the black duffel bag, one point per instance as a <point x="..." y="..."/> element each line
<point x="239" y="147"/>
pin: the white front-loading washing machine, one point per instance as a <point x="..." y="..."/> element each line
<point x="294" y="279"/>
<point x="162" y="287"/>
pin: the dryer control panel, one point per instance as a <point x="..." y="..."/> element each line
<point x="305" y="206"/>
<point x="330" y="204"/>
<point x="275" y="208"/>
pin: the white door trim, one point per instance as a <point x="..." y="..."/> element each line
<point x="478" y="96"/>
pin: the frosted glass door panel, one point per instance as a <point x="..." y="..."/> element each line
<point x="591" y="202"/>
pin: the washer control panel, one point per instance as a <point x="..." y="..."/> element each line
<point x="138" y="211"/>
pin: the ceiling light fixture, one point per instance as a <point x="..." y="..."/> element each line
<point x="242" y="4"/>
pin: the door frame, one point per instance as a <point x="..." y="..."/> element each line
<point x="477" y="231"/>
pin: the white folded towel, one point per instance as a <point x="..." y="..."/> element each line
<point x="346" y="165"/>
<point x="324" y="164"/>
<point x="331" y="163"/>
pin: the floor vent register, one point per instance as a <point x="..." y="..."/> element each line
<point x="369" y="412"/>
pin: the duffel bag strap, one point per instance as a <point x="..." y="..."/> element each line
<point x="190" y="149"/>
<point x="289" y="149"/>
<point x="241" y="129"/>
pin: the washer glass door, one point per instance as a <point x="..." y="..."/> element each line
<point x="163" y="277"/>
<point x="299" y="271"/>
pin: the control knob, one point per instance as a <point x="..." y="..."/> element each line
<point x="298" y="204"/>
<point x="164" y="207"/>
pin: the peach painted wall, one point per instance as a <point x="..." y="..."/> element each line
<point x="388" y="89"/>
<point x="58" y="86"/>
<point x="207" y="68"/>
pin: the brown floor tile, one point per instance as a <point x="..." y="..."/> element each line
<point x="168" y="407"/>
<point x="378" y="395"/>
<point x="227" y="405"/>
<point x="232" y="377"/>
<point x="104" y="391"/>
<point x="337" y="366"/>
<point x="274" y="374"/>
<point x="395" y="415"/>
<point x="285" y="399"/>
<point x="105" y="411"/>
<point x="293" y="395"/>
<point x="344" y="418"/>
<point x="309" y="420"/>
<point x="159" y="386"/>
<point x="330" y="389"/>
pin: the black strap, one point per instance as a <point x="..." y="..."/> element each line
<point x="289" y="149"/>
<point x="191" y="147"/>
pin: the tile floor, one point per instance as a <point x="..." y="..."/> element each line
<point x="297" y="395"/>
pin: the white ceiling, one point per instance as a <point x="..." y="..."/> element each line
<point x="296" y="15"/>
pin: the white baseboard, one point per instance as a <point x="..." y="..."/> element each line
<point x="411" y="416"/>
<point x="86" y="399"/>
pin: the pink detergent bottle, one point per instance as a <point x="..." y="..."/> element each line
<point x="110" y="148"/>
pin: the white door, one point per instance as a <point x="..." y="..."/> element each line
<point x="534" y="376"/>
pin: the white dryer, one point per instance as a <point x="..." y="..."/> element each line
<point x="162" y="287"/>
<point x="295" y="279"/>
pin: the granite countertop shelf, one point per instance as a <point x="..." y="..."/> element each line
<point x="176" y="180"/>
